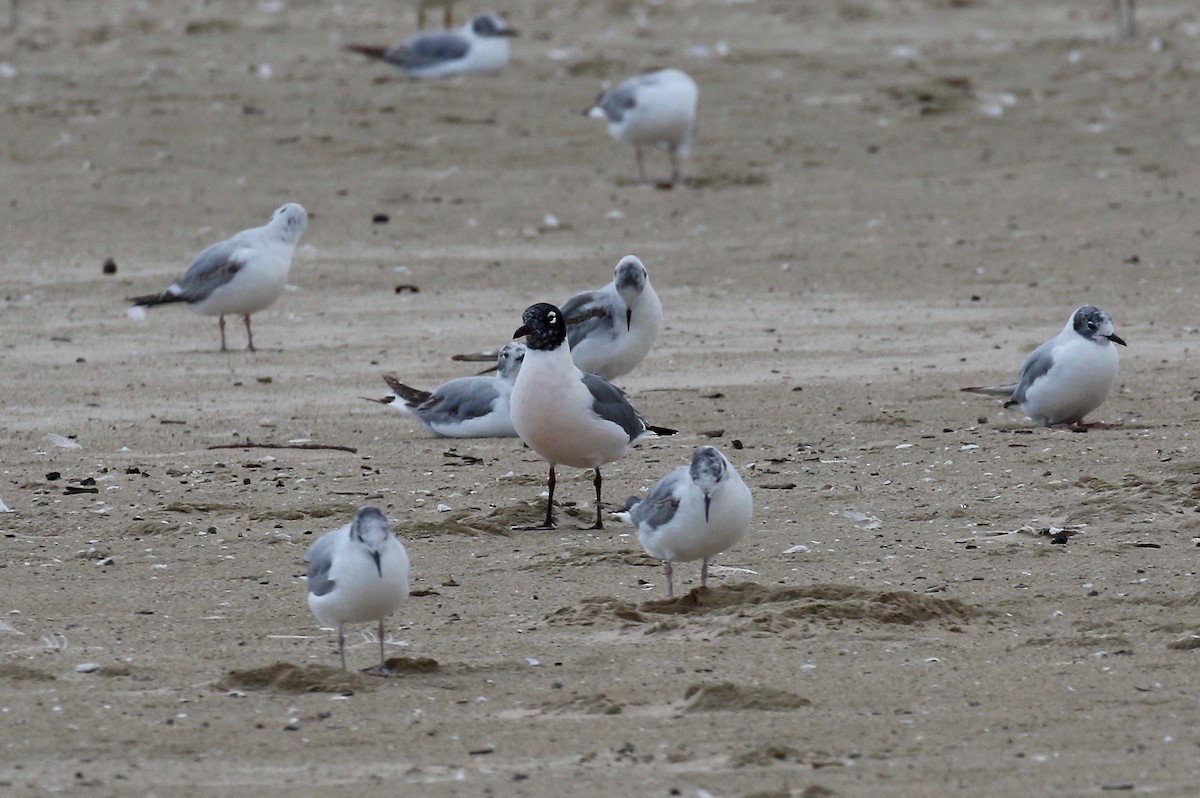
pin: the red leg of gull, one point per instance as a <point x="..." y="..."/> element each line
<point x="550" y="499"/>
<point x="599" y="520"/>
<point x="221" y="324"/>
<point x="249" y="334"/>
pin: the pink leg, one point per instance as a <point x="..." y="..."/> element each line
<point x="221" y="324"/>
<point x="249" y="334"/>
<point x="382" y="670"/>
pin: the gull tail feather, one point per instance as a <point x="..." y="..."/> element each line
<point x="994" y="390"/>
<point x="369" y="51"/>
<point x="410" y="395"/>
<point x="476" y="357"/>
<point x="149" y="300"/>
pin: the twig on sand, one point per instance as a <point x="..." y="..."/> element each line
<point x="249" y="445"/>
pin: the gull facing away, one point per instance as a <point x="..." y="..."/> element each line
<point x="478" y="48"/>
<point x="693" y="513"/>
<point x="566" y="416"/>
<point x="610" y="329"/>
<point x="1070" y="375"/>
<point x="240" y="275"/>
<point x="357" y="573"/>
<point x="467" y="407"/>
<point x="657" y="109"/>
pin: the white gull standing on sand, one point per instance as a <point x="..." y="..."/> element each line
<point x="1070" y="375"/>
<point x="693" y="513"/>
<point x="566" y="416"/>
<point x="467" y="407"/>
<point x="240" y="275"/>
<point x="357" y="573"/>
<point x="478" y="48"/>
<point x="657" y="109"/>
<point x="613" y="328"/>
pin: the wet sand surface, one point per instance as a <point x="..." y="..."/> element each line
<point x="888" y="202"/>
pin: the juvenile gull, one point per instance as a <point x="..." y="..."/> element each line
<point x="693" y="513"/>
<point x="566" y="416"/>
<point x="657" y="109"/>
<point x="610" y="329"/>
<point x="467" y="407"/>
<point x="240" y="275"/>
<point x="357" y="573"/>
<point x="1070" y="375"/>
<point x="478" y="48"/>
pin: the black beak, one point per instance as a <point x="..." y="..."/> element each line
<point x="522" y="331"/>
<point x="378" y="565"/>
<point x="1116" y="339"/>
<point x="707" y="501"/>
<point x="628" y="318"/>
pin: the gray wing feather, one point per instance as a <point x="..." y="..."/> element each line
<point x="433" y="48"/>
<point x="460" y="400"/>
<point x="1036" y="365"/>
<point x="660" y="504"/>
<point x="211" y="269"/>
<point x="320" y="559"/>
<point x="587" y="314"/>
<point x="618" y="101"/>
<point x="610" y="404"/>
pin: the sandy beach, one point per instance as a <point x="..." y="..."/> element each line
<point x="887" y="201"/>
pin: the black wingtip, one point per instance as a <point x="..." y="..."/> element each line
<point x="413" y="396"/>
<point x="662" y="431"/>
<point x="368" y="50"/>
<point x="149" y="300"/>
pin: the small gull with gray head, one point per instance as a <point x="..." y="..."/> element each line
<point x="467" y="407"/>
<point x="610" y="329"/>
<point x="357" y="573"/>
<point x="1070" y="375"/>
<point x="657" y="109"/>
<point x="478" y="48"/>
<point x="693" y="513"/>
<point x="566" y="416"/>
<point x="240" y="275"/>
